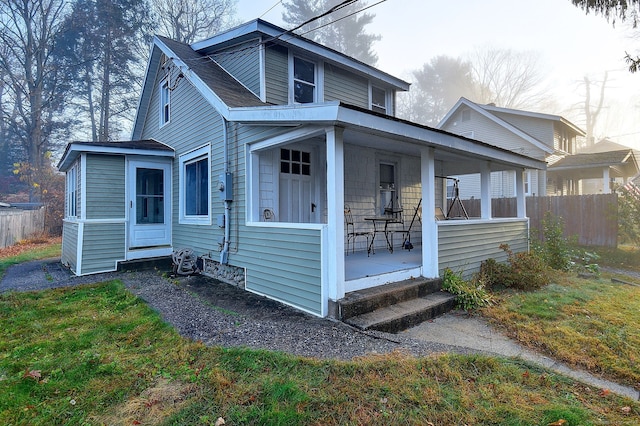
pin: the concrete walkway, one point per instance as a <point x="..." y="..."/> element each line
<point x="460" y="329"/>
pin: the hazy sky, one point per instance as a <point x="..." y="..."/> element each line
<point x="570" y="45"/>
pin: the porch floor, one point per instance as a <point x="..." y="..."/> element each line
<point x="358" y="265"/>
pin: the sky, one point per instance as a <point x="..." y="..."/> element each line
<point x="570" y="45"/>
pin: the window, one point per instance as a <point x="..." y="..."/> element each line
<point x="295" y="162"/>
<point x="527" y="182"/>
<point x="72" y="192"/>
<point x="466" y="115"/>
<point x="378" y="100"/>
<point x="195" y="187"/>
<point x="387" y="185"/>
<point x="165" y="103"/>
<point x="304" y="81"/>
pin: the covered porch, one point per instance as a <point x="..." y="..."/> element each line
<point x="377" y="166"/>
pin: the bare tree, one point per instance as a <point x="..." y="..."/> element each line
<point x="593" y="107"/>
<point x="190" y="20"/>
<point x="33" y="87"/>
<point x="508" y="78"/>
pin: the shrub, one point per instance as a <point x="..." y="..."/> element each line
<point x="524" y="271"/>
<point x="470" y="295"/>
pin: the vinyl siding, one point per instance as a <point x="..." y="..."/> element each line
<point x="345" y="86"/>
<point x="105" y="187"/>
<point x="492" y="133"/>
<point x="539" y="128"/>
<point x="194" y="123"/>
<point x="285" y="264"/>
<point x="463" y="245"/>
<point x="70" y="245"/>
<point x="277" y="75"/>
<point x="103" y="247"/>
<point x="243" y="63"/>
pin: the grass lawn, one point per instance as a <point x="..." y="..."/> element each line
<point x="589" y="323"/>
<point x="99" y="355"/>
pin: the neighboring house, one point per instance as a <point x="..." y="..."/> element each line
<point x="597" y="169"/>
<point x="246" y="148"/>
<point x="545" y="137"/>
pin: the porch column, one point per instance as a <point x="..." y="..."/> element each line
<point x="429" y="226"/>
<point x="335" y="213"/>
<point x="606" y="187"/>
<point x="485" y="190"/>
<point x="521" y="199"/>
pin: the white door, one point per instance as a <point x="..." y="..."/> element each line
<point x="298" y="202"/>
<point x="149" y="204"/>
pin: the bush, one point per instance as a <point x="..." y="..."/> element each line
<point x="469" y="295"/>
<point x="562" y="253"/>
<point x="524" y="271"/>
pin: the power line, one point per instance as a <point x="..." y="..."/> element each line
<point x="269" y="10"/>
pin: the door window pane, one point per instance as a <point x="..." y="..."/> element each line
<point x="149" y="196"/>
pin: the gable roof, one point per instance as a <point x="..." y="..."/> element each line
<point x="549" y="117"/>
<point x="270" y="33"/>
<point x="485" y="112"/>
<point x="595" y="159"/>
<point x="604" y="145"/>
<point x="140" y="147"/>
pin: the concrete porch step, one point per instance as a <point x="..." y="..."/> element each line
<point x="405" y="314"/>
<point x="362" y="301"/>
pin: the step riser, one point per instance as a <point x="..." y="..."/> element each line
<point x="414" y="319"/>
<point x="350" y="309"/>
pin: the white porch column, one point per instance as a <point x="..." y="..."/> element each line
<point x="485" y="190"/>
<point x="606" y="187"/>
<point x="521" y="199"/>
<point x="335" y="213"/>
<point x="429" y="226"/>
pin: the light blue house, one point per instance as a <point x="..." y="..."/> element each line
<point x="246" y="148"/>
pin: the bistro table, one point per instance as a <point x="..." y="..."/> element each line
<point x="380" y="220"/>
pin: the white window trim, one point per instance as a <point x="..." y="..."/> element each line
<point x="204" y="151"/>
<point x="72" y="192"/>
<point x="164" y="85"/>
<point x="318" y="92"/>
<point x="387" y="98"/>
<point x="527" y="182"/>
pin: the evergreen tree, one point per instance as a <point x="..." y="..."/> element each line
<point x="342" y="30"/>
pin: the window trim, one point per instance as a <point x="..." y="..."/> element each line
<point x="384" y="107"/>
<point x="165" y="103"/>
<point x="191" y="157"/>
<point x="292" y="80"/>
<point x="72" y="192"/>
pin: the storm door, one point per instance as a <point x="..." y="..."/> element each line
<point x="149" y="204"/>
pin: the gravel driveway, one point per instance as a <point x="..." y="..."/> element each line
<point x="201" y="308"/>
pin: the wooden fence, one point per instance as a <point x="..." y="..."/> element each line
<point x="16" y="225"/>
<point x="592" y="218"/>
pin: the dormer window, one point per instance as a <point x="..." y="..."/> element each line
<point x="165" y="104"/>
<point x="378" y="100"/>
<point x="304" y="81"/>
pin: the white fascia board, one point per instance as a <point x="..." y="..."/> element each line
<point x="448" y="141"/>
<point x="197" y="82"/>
<point x="76" y="149"/>
<point x="450" y="113"/>
<point x="284" y="114"/>
<point x="145" y="96"/>
<point x="299" y="42"/>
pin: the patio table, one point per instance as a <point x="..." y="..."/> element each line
<point x="380" y="220"/>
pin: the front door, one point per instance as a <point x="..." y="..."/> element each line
<point x="298" y="202"/>
<point x="149" y="204"/>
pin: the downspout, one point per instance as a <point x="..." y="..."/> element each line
<point x="227" y="195"/>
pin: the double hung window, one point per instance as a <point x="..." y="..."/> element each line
<point x="72" y="192"/>
<point x="304" y="81"/>
<point x="378" y="100"/>
<point x="195" y="187"/>
<point x="165" y="103"/>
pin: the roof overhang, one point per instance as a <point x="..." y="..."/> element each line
<point x="249" y="30"/>
<point x="376" y="130"/>
<point x="74" y="149"/>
